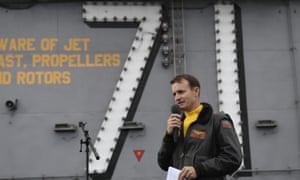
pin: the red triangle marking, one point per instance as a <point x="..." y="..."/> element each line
<point x="139" y="154"/>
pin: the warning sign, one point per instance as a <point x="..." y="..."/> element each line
<point x="139" y="154"/>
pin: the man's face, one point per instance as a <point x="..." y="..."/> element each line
<point x="185" y="96"/>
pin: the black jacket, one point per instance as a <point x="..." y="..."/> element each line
<point x="211" y="146"/>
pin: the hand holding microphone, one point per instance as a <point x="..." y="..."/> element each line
<point x="175" y="121"/>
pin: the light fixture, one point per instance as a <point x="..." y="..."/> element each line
<point x="165" y="38"/>
<point x="12" y="105"/>
<point x="164" y="26"/>
<point x="165" y="62"/>
<point x="165" y="50"/>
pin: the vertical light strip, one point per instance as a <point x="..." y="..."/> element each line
<point x="148" y="16"/>
<point x="227" y="64"/>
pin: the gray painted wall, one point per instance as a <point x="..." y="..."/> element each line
<point x="30" y="147"/>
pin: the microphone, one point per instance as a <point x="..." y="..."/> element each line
<point x="175" y="109"/>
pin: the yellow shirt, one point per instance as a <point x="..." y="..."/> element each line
<point x="191" y="117"/>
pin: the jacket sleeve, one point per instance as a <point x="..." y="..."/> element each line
<point x="165" y="153"/>
<point x="229" y="155"/>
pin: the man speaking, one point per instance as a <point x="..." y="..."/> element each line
<point x="203" y="145"/>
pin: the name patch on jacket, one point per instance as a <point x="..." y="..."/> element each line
<point x="198" y="134"/>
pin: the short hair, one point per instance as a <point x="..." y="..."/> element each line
<point x="193" y="81"/>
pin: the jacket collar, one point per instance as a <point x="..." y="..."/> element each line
<point x="205" y="114"/>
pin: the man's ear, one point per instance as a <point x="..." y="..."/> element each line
<point x="196" y="91"/>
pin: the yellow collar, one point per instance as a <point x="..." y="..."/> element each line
<point x="195" y="111"/>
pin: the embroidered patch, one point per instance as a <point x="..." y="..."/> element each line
<point x="198" y="134"/>
<point x="226" y="124"/>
